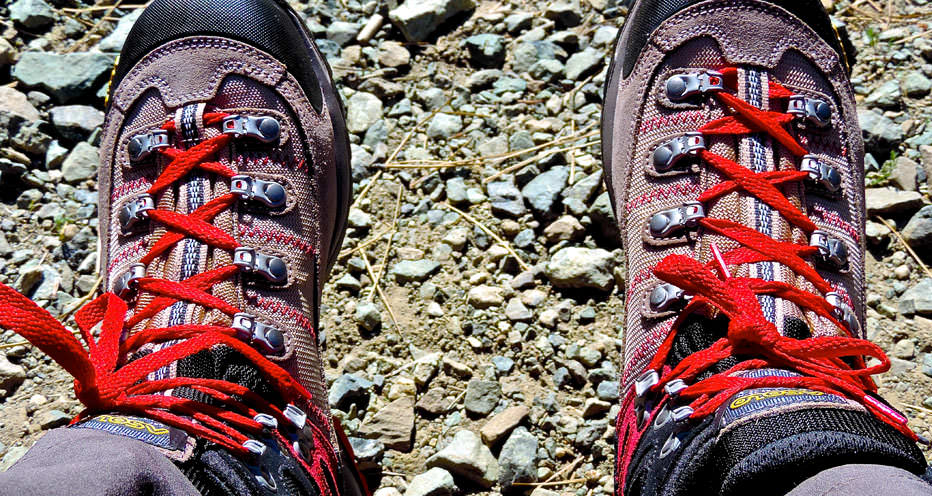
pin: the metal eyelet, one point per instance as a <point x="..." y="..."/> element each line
<point x="678" y="415"/>
<point x="843" y="312"/>
<point x="268" y="339"/>
<point x="666" y="223"/>
<point x="822" y="174"/>
<point x="272" y="268"/>
<point x="270" y="193"/>
<point x="301" y="438"/>
<point x="668" y="154"/>
<point x="264" y="129"/>
<point x="675" y="387"/>
<point x="126" y="284"/>
<point x="665" y="296"/>
<point x="813" y="110"/>
<point x="642" y="385"/>
<point x="135" y="212"/>
<point x="683" y="86"/>
<point x="832" y="251"/>
<point x="142" y="145"/>
<point x="262" y="455"/>
<point x="269" y="423"/>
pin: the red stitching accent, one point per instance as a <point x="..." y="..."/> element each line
<point x="134" y="186"/>
<point x="281" y="237"/>
<point x="833" y="219"/>
<point x="284" y="310"/>
<point x="129" y="252"/>
<point x="682" y="188"/>
<point x="639" y="279"/>
<point x="645" y="349"/>
<point x="693" y="116"/>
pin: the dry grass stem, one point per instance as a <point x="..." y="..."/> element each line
<point x="549" y="484"/>
<point x="540" y="156"/>
<point x="905" y="245"/>
<point x="488" y="231"/>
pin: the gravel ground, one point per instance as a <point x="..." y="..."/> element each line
<point x="477" y="301"/>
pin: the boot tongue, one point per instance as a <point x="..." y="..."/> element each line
<point x="751" y="404"/>
<point x="779" y="437"/>
<point x="772" y="439"/>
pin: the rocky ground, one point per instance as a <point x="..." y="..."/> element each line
<point x="476" y="300"/>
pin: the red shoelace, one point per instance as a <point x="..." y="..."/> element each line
<point x="104" y="382"/>
<point x="819" y="360"/>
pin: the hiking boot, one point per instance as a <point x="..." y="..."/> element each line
<point x="734" y="161"/>
<point x="224" y="190"/>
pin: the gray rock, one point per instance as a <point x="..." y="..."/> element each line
<point x="40" y="282"/>
<point x="82" y="163"/>
<point x="577" y="196"/>
<point x="542" y="192"/>
<point x="363" y="110"/>
<point x="566" y="228"/>
<point x="607" y="391"/>
<point x="414" y="270"/>
<point x="486" y="50"/>
<point x="12" y="456"/>
<point x="887" y="201"/>
<point x="64" y="76"/>
<point x="581" y="268"/>
<point x="506" y="199"/>
<point x="518" y="459"/>
<point x="369" y="453"/>
<point x="342" y="33"/>
<point x="917" y="299"/>
<point x="444" y="126"/>
<point x="605" y="36"/>
<point x="918" y="231"/>
<point x="393" y="54"/>
<point x="329" y="49"/>
<point x="418" y="19"/>
<point x="916" y="85"/>
<point x="76" y="122"/>
<point x="117" y="38"/>
<point x="905" y="174"/>
<point x="456" y="190"/>
<point x="32" y="13"/>
<point x="15" y="103"/>
<point x="392" y="424"/>
<point x="357" y="219"/>
<point x="516" y="311"/>
<point x="881" y="134"/>
<point x="367" y="316"/>
<point x="482" y="396"/>
<point x="518" y="22"/>
<point x="485" y="296"/>
<point x="434" y="482"/>
<point x="467" y="457"/>
<point x="348" y="283"/>
<point x="11" y="376"/>
<point x="549" y="70"/>
<point x="53" y="418"/>
<point x="887" y="95"/>
<point x="566" y="14"/>
<point x="480" y="80"/>
<point x="581" y="64"/>
<point x="347" y="390"/>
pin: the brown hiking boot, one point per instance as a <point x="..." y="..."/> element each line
<point x="735" y="164"/>
<point x="224" y="190"/>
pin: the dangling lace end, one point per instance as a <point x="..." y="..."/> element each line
<point x="717" y="254"/>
